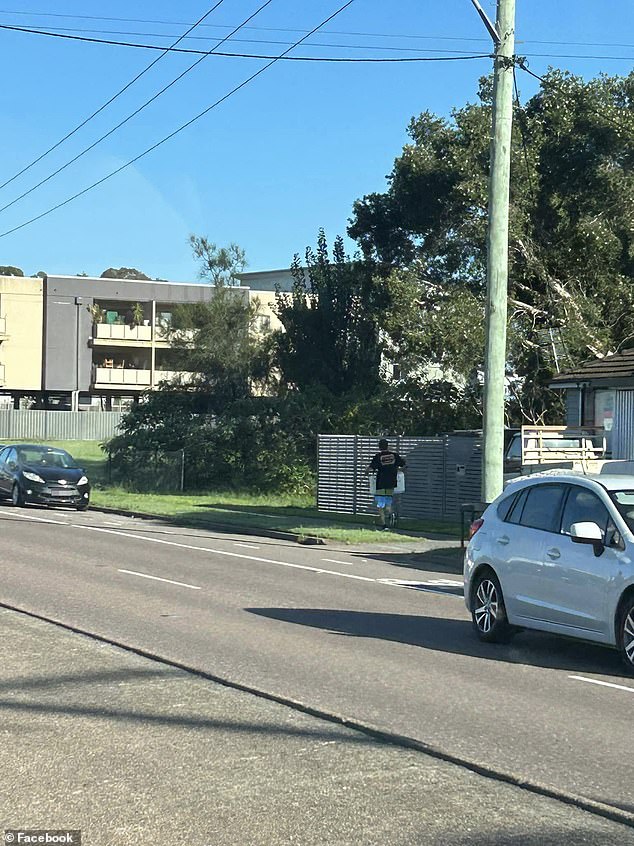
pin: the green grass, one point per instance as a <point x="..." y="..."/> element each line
<point x="294" y="513"/>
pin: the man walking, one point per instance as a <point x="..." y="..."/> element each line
<point x="386" y="465"/>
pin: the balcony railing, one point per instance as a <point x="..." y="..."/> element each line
<point x="124" y="376"/>
<point x="3" y="325"/>
<point x="122" y="332"/>
<point x="1" y="374"/>
<point x="172" y="375"/>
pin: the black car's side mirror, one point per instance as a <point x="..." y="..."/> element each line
<point x="12" y="465"/>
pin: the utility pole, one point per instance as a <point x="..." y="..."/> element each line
<point x="503" y="34"/>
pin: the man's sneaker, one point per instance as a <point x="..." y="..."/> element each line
<point x="384" y="529"/>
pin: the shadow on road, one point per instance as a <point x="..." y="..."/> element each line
<point x="456" y="637"/>
<point x="438" y="560"/>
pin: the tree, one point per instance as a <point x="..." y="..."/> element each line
<point x="331" y="336"/>
<point x="218" y="265"/>
<point x="9" y="270"/>
<point x="216" y="343"/>
<point x="124" y="273"/>
<point x="41" y="274"/>
<point x="571" y="238"/>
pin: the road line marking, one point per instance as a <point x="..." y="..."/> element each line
<point x="158" y="579"/>
<point x="246" y="545"/>
<point x="244" y="557"/>
<point x="38" y="519"/>
<point x="334" y="561"/>
<point x="602" y="683"/>
<point x="224" y="552"/>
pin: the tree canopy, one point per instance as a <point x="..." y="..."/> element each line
<point x="571" y="228"/>
<point x="124" y="273"/>
<point x="217" y="265"/>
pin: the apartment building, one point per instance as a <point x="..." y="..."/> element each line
<point x="20" y="334"/>
<point x="69" y="342"/>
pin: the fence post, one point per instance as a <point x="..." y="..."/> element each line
<point x="182" y="470"/>
<point x="355" y="474"/>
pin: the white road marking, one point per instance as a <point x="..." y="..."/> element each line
<point x="306" y="568"/>
<point x="38" y="519"/>
<point x="246" y="545"/>
<point x="602" y="683"/>
<point x="334" y="561"/>
<point x="158" y="579"/>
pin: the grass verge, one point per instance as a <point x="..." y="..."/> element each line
<point x="277" y="512"/>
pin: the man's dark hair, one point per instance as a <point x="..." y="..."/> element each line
<point x="383" y="444"/>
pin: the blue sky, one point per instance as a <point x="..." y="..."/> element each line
<point x="287" y="154"/>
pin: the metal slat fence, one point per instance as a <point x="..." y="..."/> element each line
<point x="58" y="425"/>
<point x="443" y="472"/>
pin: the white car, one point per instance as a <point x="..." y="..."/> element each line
<point x="556" y="553"/>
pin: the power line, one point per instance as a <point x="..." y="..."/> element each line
<point x="184" y="126"/>
<point x="330" y="32"/>
<point x="112" y="99"/>
<point x="252" y="55"/>
<point x="134" y="113"/>
<point x="63" y="33"/>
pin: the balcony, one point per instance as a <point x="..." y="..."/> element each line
<point x="121" y="332"/>
<point x="122" y="377"/>
<point x="2" y="375"/>
<point x="3" y="327"/>
<point x="172" y="375"/>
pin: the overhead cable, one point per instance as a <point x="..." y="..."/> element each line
<point x="256" y="55"/>
<point x="128" y="85"/>
<point x="468" y="54"/>
<point x="133" y="114"/>
<point x="183" y="126"/>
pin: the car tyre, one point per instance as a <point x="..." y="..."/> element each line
<point x="83" y="506"/>
<point x="17" y="496"/>
<point x="489" y="613"/>
<point x="625" y="633"/>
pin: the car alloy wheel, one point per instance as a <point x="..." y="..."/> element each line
<point x="626" y="634"/>
<point x="17" y="497"/>
<point x="489" y="614"/>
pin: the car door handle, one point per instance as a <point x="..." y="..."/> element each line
<point x="503" y="540"/>
<point x="553" y="553"/>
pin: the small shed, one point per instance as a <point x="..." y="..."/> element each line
<point x="600" y="394"/>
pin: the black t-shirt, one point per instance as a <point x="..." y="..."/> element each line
<point x="386" y="464"/>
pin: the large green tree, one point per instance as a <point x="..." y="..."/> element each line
<point x="571" y="230"/>
<point x="331" y="334"/>
<point x="218" y="265"/>
<point x="124" y="273"/>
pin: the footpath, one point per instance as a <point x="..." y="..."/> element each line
<point x="134" y="752"/>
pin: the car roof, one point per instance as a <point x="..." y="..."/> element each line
<point x="616" y="481"/>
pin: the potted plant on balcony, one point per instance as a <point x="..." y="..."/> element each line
<point x="97" y="313"/>
<point x="137" y="314"/>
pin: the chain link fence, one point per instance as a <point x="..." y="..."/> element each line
<point x="155" y="471"/>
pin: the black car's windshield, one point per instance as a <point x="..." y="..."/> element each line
<point x="624" y="501"/>
<point x="46" y="457"/>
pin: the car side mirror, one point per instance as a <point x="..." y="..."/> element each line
<point x="12" y="465"/>
<point x="588" y="533"/>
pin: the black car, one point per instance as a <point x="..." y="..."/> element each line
<point x="43" y="474"/>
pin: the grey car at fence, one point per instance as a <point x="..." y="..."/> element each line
<point x="556" y="553"/>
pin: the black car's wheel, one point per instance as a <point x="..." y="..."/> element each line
<point x="83" y="506"/>
<point x="17" y="496"/>
<point x="489" y="614"/>
<point x="625" y="633"/>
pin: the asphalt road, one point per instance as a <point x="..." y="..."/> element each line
<point x="351" y="634"/>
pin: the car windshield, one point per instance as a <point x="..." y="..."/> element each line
<point x="624" y="501"/>
<point x="46" y="457"/>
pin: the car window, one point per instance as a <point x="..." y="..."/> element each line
<point x="505" y="506"/>
<point x="542" y="507"/>
<point x="515" y="512"/>
<point x="583" y="506"/>
<point x="3" y="455"/>
<point x="46" y="457"/>
<point x="624" y="501"/>
<point x="12" y="456"/>
<point x="515" y="448"/>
